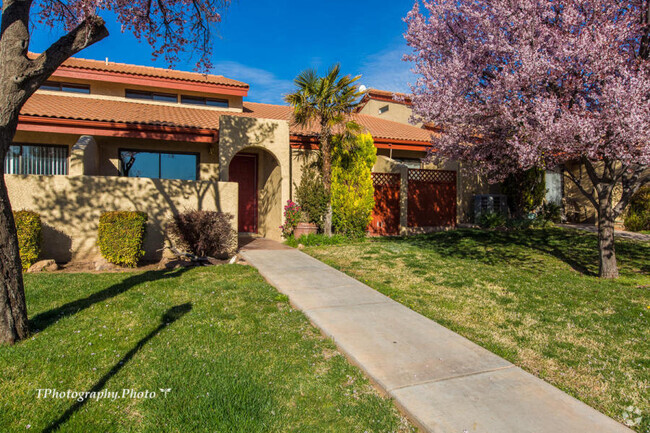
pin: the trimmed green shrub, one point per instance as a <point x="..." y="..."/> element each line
<point x="204" y="233"/>
<point x="121" y="236"/>
<point x="352" y="190"/>
<point x="311" y="196"/>
<point x="28" y="227"/>
<point x="492" y="220"/>
<point x="525" y="190"/>
<point x="638" y="215"/>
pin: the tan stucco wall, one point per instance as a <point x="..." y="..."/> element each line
<point x="270" y="196"/>
<point x="396" y="112"/>
<point x="270" y="140"/>
<point x="577" y="207"/>
<point x="45" y="138"/>
<point x="70" y="207"/>
<point x="300" y="159"/>
<point x="384" y="164"/>
<point x="84" y="157"/>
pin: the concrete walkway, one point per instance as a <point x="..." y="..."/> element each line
<point x="618" y="233"/>
<point x="442" y="381"/>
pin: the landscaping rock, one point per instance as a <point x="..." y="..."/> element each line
<point x="43" y="266"/>
<point x="104" y="265"/>
<point x="301" y="247"/>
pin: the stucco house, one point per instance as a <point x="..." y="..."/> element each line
<point x="102" y="136"/>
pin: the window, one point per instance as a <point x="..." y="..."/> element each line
<point x="383" y="109"/>
<point x="65" y="87"/>
<point x="154" y="96"/>
<point x="36" y="159"/>
<point x="198" y="100"/>
<point x="410" y="162"/>
<point x="159" y="165"/>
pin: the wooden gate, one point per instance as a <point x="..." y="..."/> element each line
<point x="431" y="198"/>
<point x="385" y="215"/>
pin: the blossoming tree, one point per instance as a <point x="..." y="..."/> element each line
<point x="517" y="84"/>
<point x="169" y="26"/>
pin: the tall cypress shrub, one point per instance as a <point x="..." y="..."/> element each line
<point x="352" y="190"/>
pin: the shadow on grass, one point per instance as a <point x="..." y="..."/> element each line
<point x="576" y="249"/>
<point x="170" y="316"/>
<point x="43" y="320"/>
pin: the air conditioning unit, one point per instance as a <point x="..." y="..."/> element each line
<point x="490" y="203"/>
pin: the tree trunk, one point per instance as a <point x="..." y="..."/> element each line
<point x="606" y="252"/>
<point x="327" y="178"/>
<point x="13" y="311"/>
<point x="20" y="77"/>
<point x="327" y="223"/>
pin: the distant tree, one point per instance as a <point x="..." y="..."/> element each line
<point x="326" y="102"/>
<point x="353" y="196"/>
<point x="540" y="83"/>
<point x="169" y="26"/>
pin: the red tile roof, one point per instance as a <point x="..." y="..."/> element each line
<point x="148" y="71"/>
<point x="384" y="95"/>
<point x="130" y="112"/>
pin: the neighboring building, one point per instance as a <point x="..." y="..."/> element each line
<point x="105" y="136"/>
<point x="397" y="107"/>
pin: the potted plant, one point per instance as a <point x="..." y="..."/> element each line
<point x="305" y="227"/>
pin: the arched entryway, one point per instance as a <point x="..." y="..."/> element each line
<point x="260" y="151"/>
<point x="259" y="176"/>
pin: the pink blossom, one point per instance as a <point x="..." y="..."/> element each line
<point x="518" y="84"/>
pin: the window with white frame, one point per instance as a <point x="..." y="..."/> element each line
<point x="36" y="159"/>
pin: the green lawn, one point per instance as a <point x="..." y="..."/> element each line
<point x="532" y="297"/>
<point x="236" y="356"/>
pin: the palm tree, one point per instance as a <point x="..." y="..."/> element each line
<point x="326" y="101"/>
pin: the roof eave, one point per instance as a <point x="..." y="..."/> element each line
<point x="149" y="81"/>
<point x="29" y="123"/>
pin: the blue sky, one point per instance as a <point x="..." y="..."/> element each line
<point x="267" y="43"/>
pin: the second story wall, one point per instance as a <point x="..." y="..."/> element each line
<point x="394" y="111"/>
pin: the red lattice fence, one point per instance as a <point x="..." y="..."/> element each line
<point x="431" y="198"/>
<point x="385" y="215"/>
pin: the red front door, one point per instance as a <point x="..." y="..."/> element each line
<point x="243" y="170"/>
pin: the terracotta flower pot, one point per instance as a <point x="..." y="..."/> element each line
<point x="304" y="229"/>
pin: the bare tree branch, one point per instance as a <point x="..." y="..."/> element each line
<point x="90" y="31"/>
<point x="631" y="185"/>
<point x="591" y="171"/>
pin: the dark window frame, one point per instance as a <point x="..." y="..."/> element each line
<point x="160" y="152"/>
<point x="60" y="146"/>
<point x="149" y="96"/>
<point x="60" y="86"/>
<point x="203" y="100"/>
